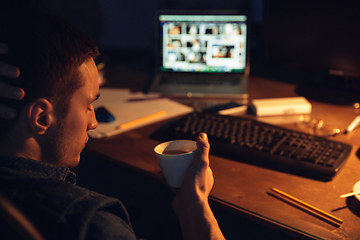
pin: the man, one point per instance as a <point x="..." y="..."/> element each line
<point x="44" y="141"/>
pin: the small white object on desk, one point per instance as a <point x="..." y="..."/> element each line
<point x="353" y="124"/>
<point x="281" y="106"/>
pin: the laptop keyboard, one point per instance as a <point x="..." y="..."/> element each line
<point x="263" y="144"/>
<point x="202" y="79"/>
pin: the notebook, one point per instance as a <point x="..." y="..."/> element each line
<point x="202" y="54"/>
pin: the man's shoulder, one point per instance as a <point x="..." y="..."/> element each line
<point x="58" y="206"/>
<point x="54" y="192"/>
<point x="25" y="179"/>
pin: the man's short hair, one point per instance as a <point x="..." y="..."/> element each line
<point x="48" y="51"/>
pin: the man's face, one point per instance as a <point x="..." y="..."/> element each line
<point x="71" y="132"/>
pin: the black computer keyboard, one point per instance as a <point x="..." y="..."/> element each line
<point x="263" y="144"/>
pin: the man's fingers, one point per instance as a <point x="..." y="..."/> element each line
<point x="6" y="69"/>
<point x="202" y="140"/>
<point x="6" y="90"/>
<point x="11" y="92"/>
<point x="203" y="148"/>
<point x="3" y="48"/>
<point x="6" y="112"/>
<point x="9" y="70"/>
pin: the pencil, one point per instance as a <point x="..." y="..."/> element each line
<point x="141" y="120"/>
<point x="308" y="206"/>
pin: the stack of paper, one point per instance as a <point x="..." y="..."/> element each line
<point x="132" y="114"/>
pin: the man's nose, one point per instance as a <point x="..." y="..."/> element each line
<point x="93" y="123"/>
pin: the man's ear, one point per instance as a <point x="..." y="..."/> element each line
<point x="40" y="115"/>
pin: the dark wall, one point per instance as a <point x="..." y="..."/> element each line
<point x="131" y="24"/>
<point x="125" y="24"/>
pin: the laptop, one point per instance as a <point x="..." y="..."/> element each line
<point x="202" y="54"/>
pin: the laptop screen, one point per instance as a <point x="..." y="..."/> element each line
<point x="203" y="43"/>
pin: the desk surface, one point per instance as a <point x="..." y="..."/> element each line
<point x="244" y="188"/>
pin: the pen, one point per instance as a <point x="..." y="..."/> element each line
<point x="350" y="194"/>
<point x="353" y="124"/>
<point x="141" y="120"/>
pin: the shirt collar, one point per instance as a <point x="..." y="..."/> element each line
<point x="36" y="169"/>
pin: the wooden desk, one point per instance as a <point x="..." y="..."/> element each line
<point x="243" y="188"/>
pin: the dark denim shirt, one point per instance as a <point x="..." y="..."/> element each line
<point x="59" y="209"/>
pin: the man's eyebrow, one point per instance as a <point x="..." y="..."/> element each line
<point x="97" y="97"/>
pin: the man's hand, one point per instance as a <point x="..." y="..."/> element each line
<point x="6" y="69"/>
<point x="199" y="179"/>
<point x="6" y="90"/>
<point x="191" y="203"/>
